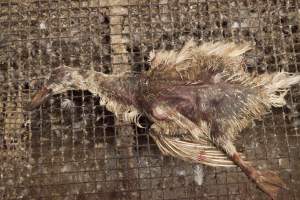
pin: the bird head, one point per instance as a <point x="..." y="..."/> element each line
<point x="122" y="86"/>
<point x="60" y="80"/>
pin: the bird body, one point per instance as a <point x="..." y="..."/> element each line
<point x="198" y="98"/>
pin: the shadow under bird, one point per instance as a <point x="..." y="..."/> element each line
<point x="199" y="98"/>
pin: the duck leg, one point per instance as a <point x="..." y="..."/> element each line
<point x="267" y="181"/>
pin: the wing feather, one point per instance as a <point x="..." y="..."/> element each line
<point x="197" y="148"/>
<point x="193" y="152"/>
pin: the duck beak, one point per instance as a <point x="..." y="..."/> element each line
<point x="40" y="97"/>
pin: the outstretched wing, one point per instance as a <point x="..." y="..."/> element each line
<point x="194" y="62"/>
<point x="195" y="147"/>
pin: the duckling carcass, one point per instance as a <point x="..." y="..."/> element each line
<point x="199" y="98"/>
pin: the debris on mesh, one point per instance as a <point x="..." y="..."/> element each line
<point x="199" y="175"/>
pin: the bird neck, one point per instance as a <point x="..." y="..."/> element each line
<point x="121" y="87"/>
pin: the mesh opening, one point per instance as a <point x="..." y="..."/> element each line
<point x="72" y="148"/>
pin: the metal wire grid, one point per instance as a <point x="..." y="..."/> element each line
<point x="72" y="148"/>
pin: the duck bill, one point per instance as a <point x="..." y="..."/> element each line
<point x="40" y="97"/>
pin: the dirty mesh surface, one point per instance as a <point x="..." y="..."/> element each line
<point x="72" y="148"/>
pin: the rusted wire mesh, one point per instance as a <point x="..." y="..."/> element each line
<point x="72" y="148"/>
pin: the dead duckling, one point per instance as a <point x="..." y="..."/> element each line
<point x="199" y="98"/>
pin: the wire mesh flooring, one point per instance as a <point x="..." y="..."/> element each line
<point x="72" y="148"/>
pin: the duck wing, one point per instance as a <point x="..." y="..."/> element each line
<point x="197" y="146"/>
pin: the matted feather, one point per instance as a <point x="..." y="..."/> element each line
<point x="192" y="61"/>
<point x="224" y="49"/>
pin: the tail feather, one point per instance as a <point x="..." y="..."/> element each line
<point x="282" y="81"/>
<point x="277" y="86"/>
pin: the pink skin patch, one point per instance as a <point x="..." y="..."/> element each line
<point x="159" y="113"/>
<point x="201" y="156"/>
